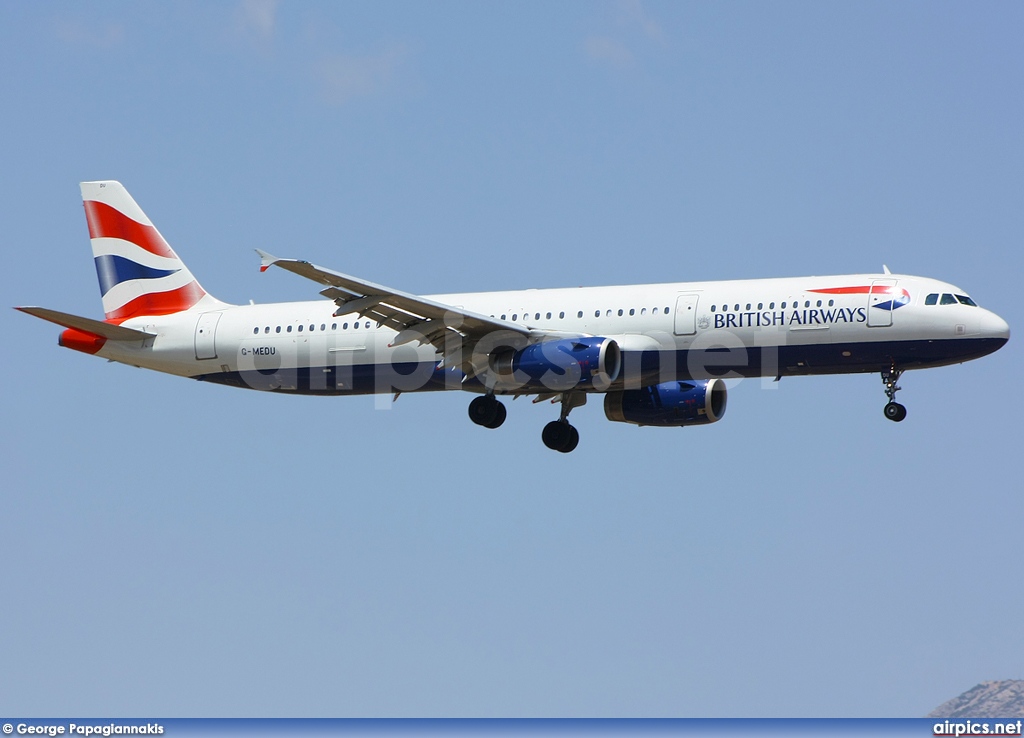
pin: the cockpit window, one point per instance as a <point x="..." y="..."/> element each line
<point x="931" y="299"/>
<point x="948" y="299"/>
<point x="965" y="300"/>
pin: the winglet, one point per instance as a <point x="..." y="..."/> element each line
<point x="266" y="260"/>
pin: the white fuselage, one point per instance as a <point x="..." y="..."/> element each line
<point x="807" y="325"/>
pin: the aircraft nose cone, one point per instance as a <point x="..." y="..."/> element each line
<point x="995" y="327"/>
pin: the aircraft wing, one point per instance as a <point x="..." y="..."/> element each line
<point x="415" y="318"/>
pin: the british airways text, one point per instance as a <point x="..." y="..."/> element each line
<point x="807" y="316"/>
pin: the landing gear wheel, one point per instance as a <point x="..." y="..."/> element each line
<point x="487" y="411"/>
<point x="558" y="435"/>
<point x="895" y="412"/>
<point x="499" y="417"/>
<point x="574" y="440"/>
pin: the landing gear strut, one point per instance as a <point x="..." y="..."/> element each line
<point x="487" y="411"/>
<point x="893" y="410"/>
<point x="558" y="435"/>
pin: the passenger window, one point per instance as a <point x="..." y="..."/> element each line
<point x="597" y="313"/>
<point x="255" y="331"/>
<point x="300" y="329"/>
<point x="620" y="312"/>
<point x="771" y="306"/>
<point x="277" y="330"/>
<point x="819" y="303"/>
<point x="748" y="306"/>
<point x="737" y="308"/>
<point x="367" y="324"/>
<point x="502" y="317"/>
<point x="760" y="306"/>
<point x="537" y="316"/>
<point x="807" y="303"/>
<point x="643" y="311"/>
<point x="932" y="299"/>
<point x="289" y="329"/>
<point x="783" y="306"/>
<point x="355" y="326"/>
<point x="948" y="300"/>
<point x="323" y="326"/>
<point x="632" y="311"/>
<point x="579" y="314"/>
<point x="712" y="308"/>
<point x="561" y="315"/>
<point x="965" y="300"/>
<point x="267" y="329"/>
<point x="344" y="326"/>
<point x="515" y="317"/>
<point x="831" y="303"/>
<point x="548" y="317"/>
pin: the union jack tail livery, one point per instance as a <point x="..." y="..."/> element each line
<point x="139" y="273"/>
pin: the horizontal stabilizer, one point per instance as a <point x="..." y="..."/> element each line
<point x="96" y="327"/>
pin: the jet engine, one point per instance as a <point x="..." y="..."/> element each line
<point x="559" y="366"/>
<point x="671" y="404"/>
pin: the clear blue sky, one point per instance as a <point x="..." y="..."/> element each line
<point x="173" y="548"/>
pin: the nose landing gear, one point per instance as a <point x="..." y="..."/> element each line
<point x="893" y="410"/>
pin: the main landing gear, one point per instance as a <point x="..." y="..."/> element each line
<point x="487" y="411"/>
<point x="558" y="435"/>
<point x="893" y="410"/>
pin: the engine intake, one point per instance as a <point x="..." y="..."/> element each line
<point x="671" y="404"/>
<point x="561" y="365"/>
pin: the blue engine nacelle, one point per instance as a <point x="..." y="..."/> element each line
<point x="559" y="366"/>
<point x="672" y="404"/>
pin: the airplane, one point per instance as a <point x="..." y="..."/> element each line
<point x="657" y="353"/>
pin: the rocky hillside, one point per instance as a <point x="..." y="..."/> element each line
<point x="989" y="699"/>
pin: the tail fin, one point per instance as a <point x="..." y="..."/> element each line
<point x="139" y="273"/>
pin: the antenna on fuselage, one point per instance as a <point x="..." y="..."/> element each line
<point x="885" y="269"/>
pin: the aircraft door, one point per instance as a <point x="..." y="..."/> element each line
<point x="206" y="333"/>
<point x="880" y="303"/>
<point x="686" y="315"/>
